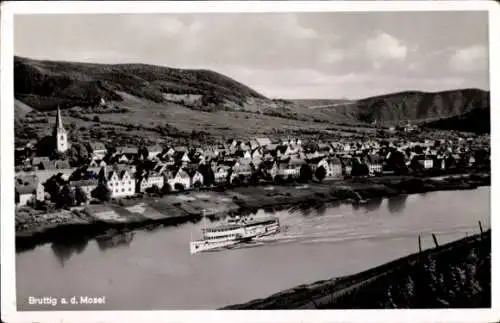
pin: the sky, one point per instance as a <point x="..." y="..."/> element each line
<point x="327" y="55"/>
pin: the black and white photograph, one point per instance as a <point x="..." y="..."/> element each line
<point x="247" y="159"/>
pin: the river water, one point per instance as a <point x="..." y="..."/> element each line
<point x="153" y="270"/>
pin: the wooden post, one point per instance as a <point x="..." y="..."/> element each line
<point x="419" y="243"/>
<point x="480" y="227"/>
<point x="435" y="240"/>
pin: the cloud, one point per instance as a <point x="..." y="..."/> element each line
<point x="474" y="58"/>
<point x="279" y="54"/>
<point x="384" y="47"/>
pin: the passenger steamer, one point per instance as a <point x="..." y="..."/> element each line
<point x="236" y="230"/>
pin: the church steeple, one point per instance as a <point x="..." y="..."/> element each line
<point x="59" y="134"/>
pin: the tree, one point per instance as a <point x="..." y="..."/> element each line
<point x="78" y="155"/>
<point x="254" y="178"/>
<point x="66" y="197"/>
<point x="101" y="192"/>
<point x="143" y="152"/>
<point x="166" y="188"/>
<point x="96" y="119"/>
<point x="306" y="173"/>
<point x="17" y="198"/>
<point x="80" y="196"/>
<point x="278" y="179"/>
<point x="53" y="186"/>
<point x="197" y="185"/>
<point x="153" y="189"/>
<point x="208" y="174"/>
<point x="45" y="146"/>
<point x="179" y="187"/>
<point x="320" y="173"/>
<point x="236" y="181"/>
<point x="359" y="169"/>
<point x="396" y="162"/>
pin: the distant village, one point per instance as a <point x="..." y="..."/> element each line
<point x="124" y="172"/>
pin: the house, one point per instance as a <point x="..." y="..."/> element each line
<point x="232" y="143"/>
<point x="25" y="194"/>
<point x="243" y="146"/>
<point x="421" y="161"/>
<point x="178" y="179"/>
<point x="256" y="154"/>
<point x="263" y="142"/>
<point x="374" y="163"/>
<point x="182" y="157"/>
<point x="160" y="167"/>
<point x="245" y="154"/>
<point x="289" y="169"/>
<point x="129" y="152"/>
<point x="295" y="143"/>
<point x="28" y="189"/>
<point x="221" y="173"/>
<point x="54" y="164"/>
<point x="120" y="183"/>
<point x="97" y="150"/>
<point x="97" y="163"/>
<point x="335" y="168"/>
<point x="270" y="168"/>
<point x="151" y="179"/>
<point x="37" y="161"/>
<point x="285" y="151"/>
<point x="154" y="151"/>
<point x="428" y="162"/>
<point x="87" y="186"/>
<point x="122" y="158"/>
<point x="472" y="160"/>
<point x="168" y="152"/>
<point x="196" y="178"/>
<point x="211" y="152"/>
<point x="316" y="162"/>
<point x="324" y="149"/>
<point x="253" y="144"/>
<point x="242" y="170"/>
<point x="346" y="166"/>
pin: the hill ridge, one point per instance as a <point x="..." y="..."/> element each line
<point x="46" y="84"/>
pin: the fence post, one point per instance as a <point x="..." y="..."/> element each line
<point x="419" y="244"/>
<point x="435" y="240"/>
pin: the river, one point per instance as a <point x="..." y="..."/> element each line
<point x="153" y="270"/>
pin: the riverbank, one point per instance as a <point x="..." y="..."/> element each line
<point x="35" y="228"/>
<point x="454" y="275"/>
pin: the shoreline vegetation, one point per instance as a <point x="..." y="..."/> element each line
<point x="454" y="275"/>
<point x="33" y="229"/>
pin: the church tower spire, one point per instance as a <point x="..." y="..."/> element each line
<point x="59" y="134"/>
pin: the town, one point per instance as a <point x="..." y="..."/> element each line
<point x="114" y="173"/>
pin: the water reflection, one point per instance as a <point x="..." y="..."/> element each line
<point x="397" y="203"/>
<point x="372" y="204"/>
<point x="114" y="239"/>
<point x="320" y="209"/>
<point x="63" y="250"/>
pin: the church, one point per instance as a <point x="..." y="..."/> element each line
<point x="59" y="135"/>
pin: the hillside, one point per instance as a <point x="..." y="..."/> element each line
<point x="159" y="103"/>
<point x="45" y="84"/>
<point x="477" y="120"/>
<point x="415" y="106"/>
